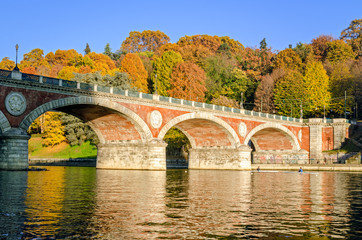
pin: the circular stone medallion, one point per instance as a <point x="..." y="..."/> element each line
<point x="242" y="129"/>
<point x="156" y="119"/>
<point x="15" y="103"/>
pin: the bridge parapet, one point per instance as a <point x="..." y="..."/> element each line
<point x="134" y="94"/>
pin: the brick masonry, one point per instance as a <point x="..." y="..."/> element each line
<point x="130" y="141"/>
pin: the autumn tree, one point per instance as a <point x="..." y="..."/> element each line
<point x="353" y="35"/>
<point x="188" y="82"/>
<point x="53" y="130"/>
<point x="147" y="40"/>
<point x="197" y="48"/>
<point x="288" y="59"/>
<point x="132" y="64"/>
<point x="225" y="101"/>
<point x="264" y="94"/>
<point x="339" y="51"/>
<point x="316" y="89"/>
<point x="163" y="67"/>
<point x="32" y="60"/>
<point x="7" y="64"/>
<point x="320" y="47"/>
<point x="341" y="80"/>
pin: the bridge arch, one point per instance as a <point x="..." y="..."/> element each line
<point x="4" y="123"/>
<point x="272" y="129"/>
<point x="108" y="107"/>
<point x="197" y="128"/>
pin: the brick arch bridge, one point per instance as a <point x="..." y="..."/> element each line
<point x="131" y="126"/>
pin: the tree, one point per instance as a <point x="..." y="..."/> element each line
<point x="263" y="44"/>
<point x="264" y="94"/>
<point x="119" y="79"/>
<point x="320" y="47"/>
<point x="146" y="41"/>
<point x="99" y="62"/>
<point x="288" y="59"/>
<point x="341" y="80"/>
<point x="76" y="131"/>
<point x="316" y="89"/>
<point x="289" y="93"/>
<point x="163" y="67"/>
<point x="53" y="129"/>
<point x="188" y="82"/>
<point x="87" y="49"/>
<point x="218" y="69"/>
<point x="34" y="59"/>
<point x="353" y="35"/>
<point x="235" y="46"/>
<point x="225" y="101"/>
<point x="7" y="64"/>
<point x="305" y="52"/>
<point x="339" y="51"/>
<point x="132" y="64"/>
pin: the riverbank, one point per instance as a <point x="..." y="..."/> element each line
<point x="77" y="162"/>
<point x="310" y="167"/>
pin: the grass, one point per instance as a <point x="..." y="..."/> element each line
<point x="63" y="150"/>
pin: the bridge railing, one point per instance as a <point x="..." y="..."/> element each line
<point x="113" y="90"/>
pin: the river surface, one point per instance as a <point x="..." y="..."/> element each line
<point x="85" y="203"/>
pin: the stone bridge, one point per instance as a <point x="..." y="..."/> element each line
<point x="131" y="127"/>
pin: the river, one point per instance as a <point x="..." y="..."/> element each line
<point x="85" y="203"/>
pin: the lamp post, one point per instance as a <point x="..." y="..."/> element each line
<point x="16" y="65"/>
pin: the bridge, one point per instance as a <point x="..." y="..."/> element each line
<point x="131" y="126"/>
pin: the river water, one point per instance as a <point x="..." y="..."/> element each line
<point x="85" y="203"/>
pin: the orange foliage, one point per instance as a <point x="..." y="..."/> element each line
<point x="132" y="64"/>
<point x="188" y="82"/>
<point x="145" y="41"/>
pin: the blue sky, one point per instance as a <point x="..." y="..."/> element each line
<point x="64" y="24"/>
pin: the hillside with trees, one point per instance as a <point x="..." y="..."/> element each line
<point x="309" y="78"/>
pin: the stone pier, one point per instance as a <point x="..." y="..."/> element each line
<point x="14" y="150"/>
<point x="220" y="158"/>
<point x="132" y="155"/>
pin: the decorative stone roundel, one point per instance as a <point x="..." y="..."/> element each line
<point x="156" y="119"/>
<point x="15" y="103"/>
<point x="242" y="129"/>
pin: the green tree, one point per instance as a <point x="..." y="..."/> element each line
<point x="316" y="89"/>
<point x="87" y="49"/>
<point x="289" y="93"/>
<point x="76" y="131"/>
<point x="163" y="67"/>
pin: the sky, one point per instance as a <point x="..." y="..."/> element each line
<point x="64" y="24"/>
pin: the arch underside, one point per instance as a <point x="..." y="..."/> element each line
<point x="109" y="125"/>
<point x="205" y="133"/>
<point x="269" y="139"/>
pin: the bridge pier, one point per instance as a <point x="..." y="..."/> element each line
<point x="220" y="158"/>
<point x="14" y="149"/>
<point x="132" y="155"/>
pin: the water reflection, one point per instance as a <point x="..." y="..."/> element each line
<point x="179" y="204"/>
